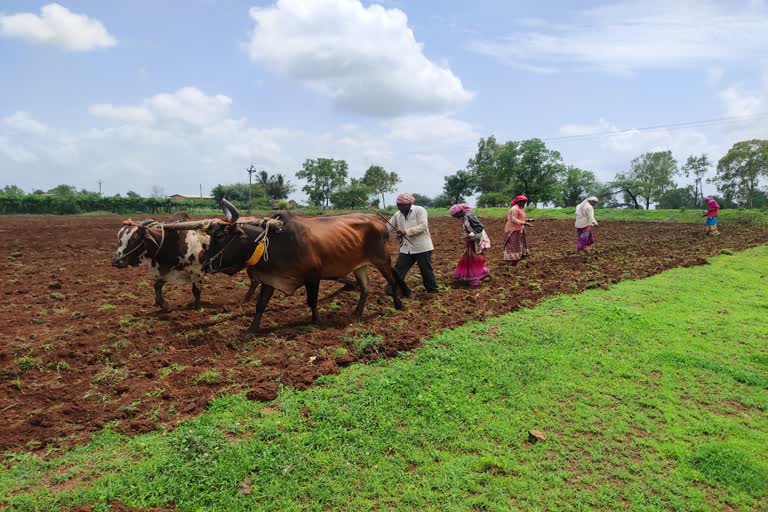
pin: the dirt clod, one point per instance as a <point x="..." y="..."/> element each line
<point x="534" y="436"/>
<point x="263" y="392"/>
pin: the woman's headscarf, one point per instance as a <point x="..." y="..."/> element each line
<point x="517" y="200"/>
<point x="405" y="198"/>
<point x="459" y="208"/>
<point x="711" y="202"/>
<point x="580" y="207"/>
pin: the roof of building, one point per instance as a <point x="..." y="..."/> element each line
<point x="191" y="196"/>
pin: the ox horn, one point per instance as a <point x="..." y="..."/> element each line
<point x="229" y="208"/>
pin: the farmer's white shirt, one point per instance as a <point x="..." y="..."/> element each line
<point x="416" y="228"/>
<point x="587" y="218"/>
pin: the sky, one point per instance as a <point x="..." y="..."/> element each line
<point x="181" y="95"/>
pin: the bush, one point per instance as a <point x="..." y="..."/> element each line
<point x="493" y="200"/>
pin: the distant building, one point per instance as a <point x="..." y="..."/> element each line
<point x="190" y="197"/>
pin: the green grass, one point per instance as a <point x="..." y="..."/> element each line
<point x="652" y="395"/>
<point x="735" y="215"/>
<point x="741" y="216"/>
<point x="611" y="214"/>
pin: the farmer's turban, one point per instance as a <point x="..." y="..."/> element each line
<point x="405" y="198"/>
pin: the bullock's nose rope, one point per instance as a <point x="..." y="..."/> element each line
<point x="130" y="222"/>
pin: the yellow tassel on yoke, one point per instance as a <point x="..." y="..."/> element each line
<point x="258" y="252"/>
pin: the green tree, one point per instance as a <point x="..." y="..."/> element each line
<point x="538" y="173"/>
<point x="577" y="185"/>
<point x="278" y="187"/>
<point x="623" y="183"/>
<point x="442" y="201"/>
<point x="131" y="193"/>
<point x="525" y="167"/>
<point x="63" y="191"/>
<point x="423" y="200"/>
<point x="323" y="176"/>
<point x="652" y="174"/>
<point x="740" y="170"/>
<point x="494" y="200"/>
<point x="457" y="186"/>
<point x="698" y="167"/>
<point x="11" y="190"/>
<point x="351" y="196"/>
<point x="484" y="166"/>
<point x="239" y="192"/>
<point x="380" y="181"/>
<point x="676" y="198"/>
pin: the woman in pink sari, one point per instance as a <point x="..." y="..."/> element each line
<point x="471" y="267"/>
<point x="516" y="241"/>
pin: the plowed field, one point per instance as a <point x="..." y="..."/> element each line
<point x="82" y="345"/>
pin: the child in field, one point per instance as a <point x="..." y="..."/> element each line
<point x="713" y="211"/>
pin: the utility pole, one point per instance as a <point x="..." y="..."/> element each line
<point x="100" y="182"/>
<point x="250" y="172"/>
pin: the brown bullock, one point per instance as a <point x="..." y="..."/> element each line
<point x="286" y="252"/>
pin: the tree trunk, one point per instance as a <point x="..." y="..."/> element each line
<point x="383" y="204"/>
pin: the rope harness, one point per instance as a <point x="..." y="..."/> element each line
<point x="261" y="250"/>
<point x="139" y="225"/>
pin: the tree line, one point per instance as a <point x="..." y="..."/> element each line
<point x="496" y="173"/>
<point x="500" y="171"/>
<point x="269" y="191"/>
<point x="67" y="200"/>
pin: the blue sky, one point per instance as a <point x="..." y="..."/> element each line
<point x="178" y="94"/>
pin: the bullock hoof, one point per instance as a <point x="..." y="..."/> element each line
<point x="165" y="306"/>
<point x="250" y="334"/>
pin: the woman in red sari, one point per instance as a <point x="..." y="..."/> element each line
<point x="471" y="267"/>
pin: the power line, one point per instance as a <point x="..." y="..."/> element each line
<point x="672" y="126"/>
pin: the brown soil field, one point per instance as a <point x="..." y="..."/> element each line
<point x="82" y="344"/>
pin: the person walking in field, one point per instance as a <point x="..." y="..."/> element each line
<point x="713" y="212"/>
<point x="411" y="225"/>
<point x="515" y="239"/>
<point x="585" y="222"/>
<point x="471" y="268"/>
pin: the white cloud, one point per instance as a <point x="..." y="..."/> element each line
<point x="22" y="122"/>
<point x="15" y="152"/>
<point x="737" y="101"/>
<point x="188" y="105"/>
<point x="365" y="58"/>
<point x="431" y="129"/>
<point x="635" y="34"/>
<point x="58" y="26"/>
<point x="125" y="113"/>
<point x="608" y="154"/>
<point x="184" y="138"/>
